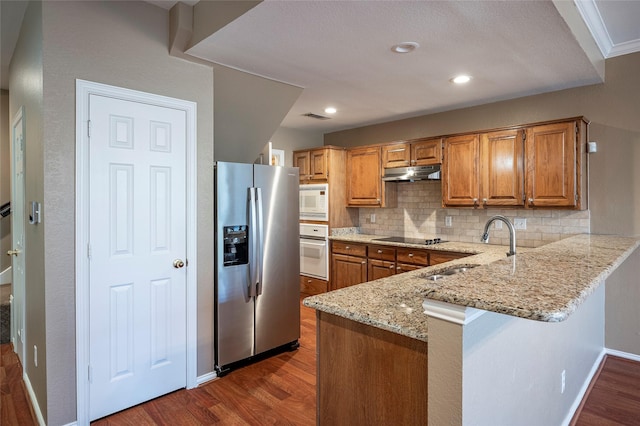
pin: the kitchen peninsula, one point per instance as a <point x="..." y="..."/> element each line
<point x="476" y="356"/>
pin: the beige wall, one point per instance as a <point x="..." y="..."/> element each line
<point x="622" y="322"/>
<point x="122" y="44"/>
<point x="26" y="90"/>
<point x="290" y="140"/>
<point x="612" y="108"/>
<point x="5" y="177"/>
<point x="249" y="110"/>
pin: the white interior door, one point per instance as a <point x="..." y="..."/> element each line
<point x="137" y="230"/>
<point x="17" y="235"/>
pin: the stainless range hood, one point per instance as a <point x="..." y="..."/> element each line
<point x="411" y="174"/>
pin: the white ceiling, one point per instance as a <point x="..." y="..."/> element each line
<point x="339" y="52"/>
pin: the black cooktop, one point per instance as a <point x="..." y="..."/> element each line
<point x="406" y="240"/>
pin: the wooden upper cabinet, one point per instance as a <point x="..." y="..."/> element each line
<point x="426" y="152"/>
<point x="396" y="155"/>
<point x="551" y="179"/>
<point x="313" y="164"/>
<point x="417" y="152"/>
<point x="460" y="179"/>
<point x="302" y="162"/>
<point x="364" y="179"/>
<point x="501" y="168"/>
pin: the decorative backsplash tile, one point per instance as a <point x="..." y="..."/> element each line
<point x="420" y="214"/>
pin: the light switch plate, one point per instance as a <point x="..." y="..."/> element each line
<point x="520" y="223"/>
<point x="447" y="221"/>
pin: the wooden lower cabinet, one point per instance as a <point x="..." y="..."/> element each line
<point x="311" y="286"/>
<point x="436" y="257"/>
<point x="369" y="376"/>
<point x="347" y="270"/>
<point x="380" y="269"/>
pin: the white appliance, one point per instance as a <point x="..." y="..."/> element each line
<point x="314" y="251"/>
<point x="314" y="202"/>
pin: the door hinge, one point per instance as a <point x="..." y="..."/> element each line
<point x="88" y="128"/>
<point x="89" y="374"/>
<point x="524" y="136"/>
<point x="89" y="251"/>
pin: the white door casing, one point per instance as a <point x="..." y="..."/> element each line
<point x="137" y="213"/>
<point x="18" y="302"/>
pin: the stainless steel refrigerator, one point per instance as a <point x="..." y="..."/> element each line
<point x="257" y="266"/>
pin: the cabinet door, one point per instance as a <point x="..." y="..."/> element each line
<point x="551" y="165"/>
<point x="396" y="155"/>
<point x="427" y="152"/>
<point x="318" y="165"/>
<point x="406" y="267"/>
<point x="380" y="269"/>
<point x="364" y="182"/>
<point x="460" y="178"/>
<point x="501" y="168"/>
<point x="301" y="160"/>
<point x="347" y="271"/>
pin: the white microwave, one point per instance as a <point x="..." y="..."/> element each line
<point x="314" y="202"/>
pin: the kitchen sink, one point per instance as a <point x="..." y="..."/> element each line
<point x="443" y="273"/>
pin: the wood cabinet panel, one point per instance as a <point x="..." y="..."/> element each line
<point x="311" y="286"/>
<point x="318" y="163"/>
<point x="551" y="165"/>
<point x="396" y="155"/>
<point x="347" y="270"/>
<point x="406" y="267"/>
<point x="301" y="160"/>
<point x="413" y="256"/>
<point x="501" y="168"/>
<point x="364" y="187"/>
<point x="460" y="179"/>
<point x="351" y="249"/>
<point x="426" y="152"/>
<point x="390" y="371"/>
<point x="382" y="252"/>
<point x="377" y="269"/>
<point x="437" y="257"/>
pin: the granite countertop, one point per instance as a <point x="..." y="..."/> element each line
<point x="544" y="284"/>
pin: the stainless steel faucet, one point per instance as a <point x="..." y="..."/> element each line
<point x="512" y="233"/>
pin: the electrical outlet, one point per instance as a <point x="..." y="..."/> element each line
<point x="497" y="224"/>
<point x="35" y="355"/>
<point x="563" y="377"/>
<point x="520" y="223"/>
<point x="372" y="218"/>
<point x="447" y="221"/>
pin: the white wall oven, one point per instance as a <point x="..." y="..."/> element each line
<point x="314" y="251"/>
<point x="314" y="202"/>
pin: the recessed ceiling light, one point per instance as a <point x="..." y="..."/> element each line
<point x="330" y="110"/>
<point x="405" y="47"/>
<point x="461" y="79"/>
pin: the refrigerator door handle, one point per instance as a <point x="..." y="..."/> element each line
<point x="260" y="242"/>
<point x="253" y="246"/>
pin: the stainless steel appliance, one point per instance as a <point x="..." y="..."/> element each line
<point x="314" y="250"/>
<point x="314" y="202"/>
<point x="407" y="240"/>
<point x="411" y="174"/>
<point x="257" y="293"/>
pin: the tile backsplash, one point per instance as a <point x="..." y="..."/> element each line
<point x="420" y="214"/>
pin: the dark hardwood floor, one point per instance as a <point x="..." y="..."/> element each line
<point x="281" y="391"/>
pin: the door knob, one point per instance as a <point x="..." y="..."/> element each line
<point x="14" y="252"/>
<point x="178" y="263"/>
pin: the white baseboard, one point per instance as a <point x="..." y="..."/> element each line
<point x="621" y="354"/>
<point x="206" y="378"/>
<point x="34" y="400"/>
<point x="5" y="276"/>
<point x="585" y="386"/>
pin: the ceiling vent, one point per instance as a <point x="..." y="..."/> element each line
<point x="316" y="116"/>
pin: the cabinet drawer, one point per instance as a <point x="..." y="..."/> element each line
<point x="311" y="286"/>
<point x="445" y="256"/>
<point x="382" y="253"/>
<point x="351" y="249"/>
<point x="414" y="256"/>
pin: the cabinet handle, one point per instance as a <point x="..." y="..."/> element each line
<point x="379" y="251"/>
<point x="347" y="248"/>
<point x="484" y="201"/>
<point x="397" y="150"/>
<point x="410" y="254"/>
<point x="475" y="202"/>
<point x="308" y="281"/>
<point x="413" y="161"/>
<point x="530" y="201"/>
<point x="364" y="261"/>
<point x="391" y="267"/>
